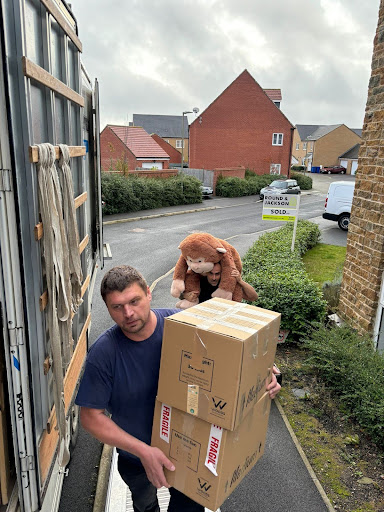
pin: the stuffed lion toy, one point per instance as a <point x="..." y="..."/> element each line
<point x="199" y="253"/>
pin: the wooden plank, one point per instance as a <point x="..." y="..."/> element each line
<point x="79" y="200"/>
<point x="49" y="440"/>
<point x="83" y="244"/>
<point x="74" y="151"/>
<point x="55" y="12"/>
<point x="38" y="229"/>
<point x="43" y="300"/>
<point x="32" y="70"/>
<point x="85" y="285"/>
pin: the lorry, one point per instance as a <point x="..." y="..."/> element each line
<point x="338" y="203"/>
<point x="49" y="130"/>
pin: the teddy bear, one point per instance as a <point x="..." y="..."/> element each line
<point x="199" y="253"/>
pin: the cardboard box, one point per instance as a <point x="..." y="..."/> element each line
<point x="210" y="461"/>
<point x="216" y="360"/>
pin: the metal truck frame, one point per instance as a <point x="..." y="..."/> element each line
<point x="46" y="96"/>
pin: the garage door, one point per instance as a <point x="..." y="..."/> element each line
<point x="354" y="166"/>
<point x="344" y="163"/>
<point x="152" y="165"/>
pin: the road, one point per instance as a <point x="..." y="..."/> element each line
<point x="151" y="245"/>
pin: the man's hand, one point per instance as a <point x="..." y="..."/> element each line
<point x="154" y="462"/>
<point x="273" y="387"/>
<point x="235" y="273"/>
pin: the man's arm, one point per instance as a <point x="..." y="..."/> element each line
<point x="249" y="293"/>
<point x="106" y="431"/>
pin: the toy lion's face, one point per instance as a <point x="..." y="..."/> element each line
<point x="199" y="264"/>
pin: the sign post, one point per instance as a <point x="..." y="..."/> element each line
<point x="282" y="207"/>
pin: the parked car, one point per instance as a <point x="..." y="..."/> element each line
<point x="333" y="169"/>
<point x="206" y="191"/>
<point x="288" y="186"/>
<point x="339" y="202"/>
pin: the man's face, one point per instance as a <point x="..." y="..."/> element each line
<point x="213" y="277"/>
<point x="130" y="309"/>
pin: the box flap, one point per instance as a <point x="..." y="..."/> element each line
<point x="234" y="319"/>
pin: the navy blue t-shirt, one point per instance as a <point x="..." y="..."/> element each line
<point x="121" y="376"/>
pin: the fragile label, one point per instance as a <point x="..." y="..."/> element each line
<point x="213" y="448"/>
<point x="165" y="422"/>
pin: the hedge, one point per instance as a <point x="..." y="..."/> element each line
<point x="253" y="183"/>
<point x="348" y="363"/>
<point x="129" y="194"/>
<point x="279" y="277"/>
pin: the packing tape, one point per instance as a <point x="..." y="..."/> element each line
<point x="193" y="399"/>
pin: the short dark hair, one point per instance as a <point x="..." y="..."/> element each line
<point x="119" y="278"/>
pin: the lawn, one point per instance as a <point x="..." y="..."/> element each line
<point x="324" y="262"/>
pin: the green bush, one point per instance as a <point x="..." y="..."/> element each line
<point x="279" y="277"/>
<point x="251" y="185"/>
<point x="129" y="194"/>
<point x="351" y="367"/>
<point x="231" y="187"/>
<point x="304" y="182"/>
<point x="298" y="168"/>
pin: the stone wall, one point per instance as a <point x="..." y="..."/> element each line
<point x="364" y="265"/>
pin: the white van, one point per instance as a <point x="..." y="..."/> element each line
<point x="339" y="202"/>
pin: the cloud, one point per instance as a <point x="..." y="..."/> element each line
<point x="166" y="56"/>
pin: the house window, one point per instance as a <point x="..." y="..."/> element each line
<point x="179" y="143"/>
<point x="275" y="169"/>
<point x="297" y="146"/>
<point x="277" y="139"/>
<point x="304" y="145"/>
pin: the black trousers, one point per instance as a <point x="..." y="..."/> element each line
<point x="144" y="494"/>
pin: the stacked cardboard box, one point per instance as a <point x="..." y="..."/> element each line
<point x="212" y="409"/>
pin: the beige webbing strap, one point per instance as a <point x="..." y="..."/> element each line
<point x="55" y="252"/>
<point x="71" y="229"/>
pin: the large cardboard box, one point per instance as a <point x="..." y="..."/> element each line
<point x="216" y="360"/>
<point x="210" y="461"/>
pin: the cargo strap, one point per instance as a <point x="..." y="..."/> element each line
<point x="56" y="257"/>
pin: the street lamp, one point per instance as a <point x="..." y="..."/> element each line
<point x="194" y="110"/>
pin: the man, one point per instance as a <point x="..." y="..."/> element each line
<point x="209" y="283"/>
<point x="120" y="377"/>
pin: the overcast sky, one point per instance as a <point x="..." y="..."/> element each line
<point x="168" y="56"/>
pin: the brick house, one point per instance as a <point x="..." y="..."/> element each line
<point x="132" y="147"/>
<point x="362" y="288"/>
<point x="242" y="127"/>
<point x="174" y="154"/>
<point x="322" y="145"/>
<point x="169" y="128"/>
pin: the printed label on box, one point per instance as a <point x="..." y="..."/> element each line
<point x="165" y="422"/>
<point x="213" y="448"/>
<point x="201" y="375"/>
<point x="185" y="449"/>
<point x="193" y="399"/>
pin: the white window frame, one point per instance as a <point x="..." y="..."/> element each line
<point x="304" y="145"/>
<point x="277" y="139"/>
<point x="179" y="143"/>
<point x="297" y="146"/>
<point x="275" y="169"/>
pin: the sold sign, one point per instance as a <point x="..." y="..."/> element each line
<point x="281" y="207"/>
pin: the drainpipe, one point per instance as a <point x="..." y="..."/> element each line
<point x="290" y="153"/>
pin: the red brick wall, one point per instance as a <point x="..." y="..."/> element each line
<point x="113" y="149"/>
<point x="237" y="172"/>
<point x="236" y="129"/>
<point x="170" y="150"/>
